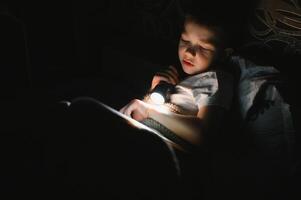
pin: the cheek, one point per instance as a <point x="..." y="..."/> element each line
<point x="181" y="52"/>
<point x="202" y="61"/>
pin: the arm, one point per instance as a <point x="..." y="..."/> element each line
<point x="193" y="129"/>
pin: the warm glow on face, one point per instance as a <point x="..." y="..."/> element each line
<point x="195" y="50"/>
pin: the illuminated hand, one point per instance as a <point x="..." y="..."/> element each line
<point x="136" y="109"/>
<point x="170" y="76"/>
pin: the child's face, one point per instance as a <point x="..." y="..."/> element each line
<point x="196" y="51"/>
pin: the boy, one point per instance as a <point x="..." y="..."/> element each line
<point x="203" y="97"/>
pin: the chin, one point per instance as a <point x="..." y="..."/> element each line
<point x="191" y="71"/>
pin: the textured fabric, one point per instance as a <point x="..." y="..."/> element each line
<point x="252" y="78"/>
<point x="168" y="134"/>
<point x="208" y="88"/>
<point x="276" y="25"/>
<point x="266" y="116"/>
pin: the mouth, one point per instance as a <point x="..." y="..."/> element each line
<point x="187" y="62"/>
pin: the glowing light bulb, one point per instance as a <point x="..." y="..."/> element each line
<point x="157" y="98"/>
<point x="161" y="93"/>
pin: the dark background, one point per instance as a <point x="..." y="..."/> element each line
<point x="53" y="51"/>
<point x="74" y="48"/>
<point x="83" y="46"/>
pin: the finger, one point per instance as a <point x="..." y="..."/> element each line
<point x="122" y="109"/>
<point x="170" y="76"/>
<point x="128" y="110"/>
<point x="173" y="77"/>
<point x="156" y="80"/>
<point x="174" y="73"/>
<point x="165" y="75"/>
<point x="174" y="70"/>
<point x="141" y="111"/>
<point x="131" y="108"/>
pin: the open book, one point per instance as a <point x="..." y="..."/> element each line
<point x="130" y="120"/>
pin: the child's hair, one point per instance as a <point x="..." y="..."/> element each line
<point x="227" y="19"/>
<point x="221" y="27"/>
<point x="220" y="23"/>
<point x="219" y="39"/>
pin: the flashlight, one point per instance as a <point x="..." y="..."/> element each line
<point x="161" y="93"/>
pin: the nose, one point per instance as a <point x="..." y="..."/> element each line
<point x="191" y="50"/>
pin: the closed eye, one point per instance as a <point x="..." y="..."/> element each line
<point x="203" y="49"/>
<point x="184" y="41"/>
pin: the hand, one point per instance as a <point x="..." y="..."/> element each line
<point x="136" y="109"/>
<point x="170" y="76"/>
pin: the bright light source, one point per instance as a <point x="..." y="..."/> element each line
<point x="161" y="93"/>
<point x="157" y="98"/>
